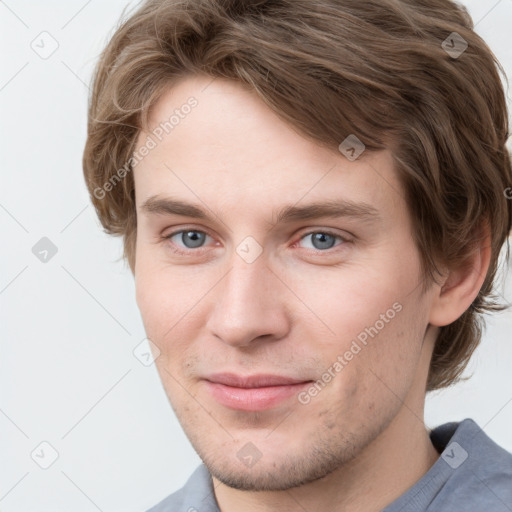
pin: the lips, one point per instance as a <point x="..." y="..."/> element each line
<point x="252" y="381"/>
<point x="253" y="392"/>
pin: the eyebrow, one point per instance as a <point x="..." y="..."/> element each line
<point x="290" y="213"/>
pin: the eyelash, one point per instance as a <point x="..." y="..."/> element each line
<point x="182" y="252"/>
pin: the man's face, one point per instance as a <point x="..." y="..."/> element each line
<point x="245" y="291"/>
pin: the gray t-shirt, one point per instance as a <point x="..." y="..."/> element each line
<point x="473" y="473"/>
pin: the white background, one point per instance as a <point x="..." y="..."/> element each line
<point x="68" y="327"/>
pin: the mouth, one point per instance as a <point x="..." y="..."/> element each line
<point x="254" y="392"/>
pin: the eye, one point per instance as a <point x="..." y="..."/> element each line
<point x="322" y="240"/>
<point x="186" y="240"/>
<point x="189" y="238"/>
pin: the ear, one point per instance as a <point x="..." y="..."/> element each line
<point x="461" y="285"/>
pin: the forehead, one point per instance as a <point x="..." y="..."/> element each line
<point x="228" y="121"/>
<point x="215" y="140"/>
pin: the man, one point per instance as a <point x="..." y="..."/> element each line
<point x="312" y="197"/>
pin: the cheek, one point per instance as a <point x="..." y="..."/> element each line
<point x="376" y="332"/>
<point x="156" y="297"/>
<point x="375" y="301"/>
<point x="170" y="304"/>
<point x="147" y="293"/>
<point x="351" y="305"/>
<point x="160" y="293"/>
<point x="392" y="354"/>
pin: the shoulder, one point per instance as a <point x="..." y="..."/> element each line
<point x="473" y="474"/>
<point x="479" y="471"/>
<point x="196" y="495"/>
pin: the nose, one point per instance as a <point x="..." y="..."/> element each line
<point x="249" y="305"/>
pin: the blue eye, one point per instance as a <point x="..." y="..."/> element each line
<point x="191" y="239"/>
<point x="186" y="240"/>
<point x="322" y="240"/>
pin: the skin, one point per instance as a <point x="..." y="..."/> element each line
<point x="361" y="441"/>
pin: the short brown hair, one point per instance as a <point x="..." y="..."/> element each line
<point x="331" y="68"/>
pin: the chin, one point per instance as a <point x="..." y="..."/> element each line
<point x="275" y="474"/>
